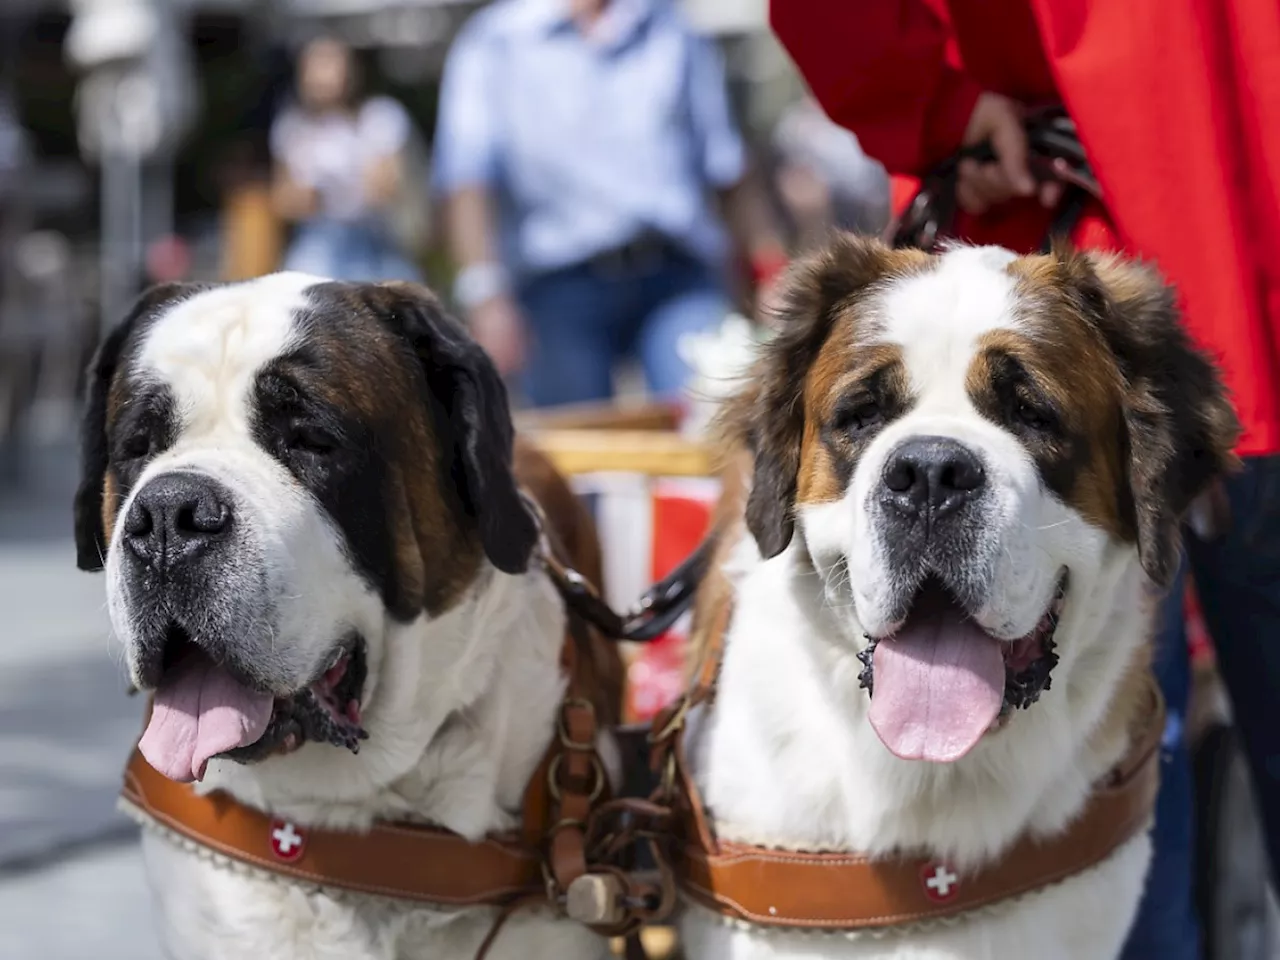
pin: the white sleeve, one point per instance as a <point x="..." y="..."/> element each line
<point x="384" y="126"/>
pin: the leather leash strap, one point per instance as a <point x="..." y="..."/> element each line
<point x="845" y="891"/>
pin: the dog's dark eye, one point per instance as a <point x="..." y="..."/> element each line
<point x="861" y="416"/>
<point x="309" y="438"/>
<point x="1029" y="415"/>
<point x="136" y="447"/>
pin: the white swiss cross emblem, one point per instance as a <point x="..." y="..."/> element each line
<point x="940" y="882"/>
<point x="287" y="841"/>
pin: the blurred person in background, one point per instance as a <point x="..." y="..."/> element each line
<point x="19" y="339"/>
<point x="339" y="169"/>
<point x="580" y="148"/>
<point x="824" y="179"/>
<point x="1177" y="103"/>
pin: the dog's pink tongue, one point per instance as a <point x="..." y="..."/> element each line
<point x="938" y="685"/>
<point x="199" y="711"/>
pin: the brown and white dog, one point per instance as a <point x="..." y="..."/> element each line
<point x="303" y="496"/>
<point x="968" y="469"/>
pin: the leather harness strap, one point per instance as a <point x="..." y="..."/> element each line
<point x="407" y="861"/>
<point x="844" y="891"/>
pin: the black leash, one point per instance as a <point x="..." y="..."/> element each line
<point x="1054" y="153"/>
<point x="658" y="608"/>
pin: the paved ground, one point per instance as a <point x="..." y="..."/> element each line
<point x="71" y="884"/>
<point x="93" y="906"/>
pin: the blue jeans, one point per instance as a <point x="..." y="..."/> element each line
<point x="1238" y="583"/>
<point x="358" y="252"/>
<point x="583" y="320"/>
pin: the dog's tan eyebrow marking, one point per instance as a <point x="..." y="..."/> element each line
<point x="832" y="384"/>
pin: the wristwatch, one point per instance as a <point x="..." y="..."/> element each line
<point x="478" y="282"/>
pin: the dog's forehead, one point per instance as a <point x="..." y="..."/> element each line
<point x="212" y="344"/>
<point x="940" y="318"/>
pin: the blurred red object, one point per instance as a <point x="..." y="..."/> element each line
<point x="168" y="259"/>
<point x="1198" y="640"/>
<point x="656" y="675"/>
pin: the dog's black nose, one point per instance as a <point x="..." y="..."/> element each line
<point x="175" y="517"/>
<point x="934" y="475"/>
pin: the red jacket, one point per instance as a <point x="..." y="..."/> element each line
<point x="1177" y="103"/>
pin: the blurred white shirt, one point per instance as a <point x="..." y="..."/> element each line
<point x="331" y="152"/>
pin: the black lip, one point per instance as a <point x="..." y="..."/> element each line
<point x="173" y="641"/>
<point x="301" y="718"/>
<point x="1022" y="689"/>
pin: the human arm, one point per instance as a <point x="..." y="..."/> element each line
<point x="384" y="130"/>
<point x="754" y="228"/>
<point x="482" y="286"/>
<point x="291" y="198"/>
<point x="725" y="168"/>
<point x="464" y="172"/>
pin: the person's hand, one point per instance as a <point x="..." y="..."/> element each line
<point x="804" y="192"/>
<point x="981" y="186"/>
<point x="498" y="326"/>
<point x="292" y="200"/>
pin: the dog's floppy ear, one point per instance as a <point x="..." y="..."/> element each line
<point x="472" y="418"/>
<point x="1178" y="418"/>
<point x="91" y="545"/>
<point x="768" y="415"/>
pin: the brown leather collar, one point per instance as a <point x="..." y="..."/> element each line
<point x="846" y="891"/>
<point x="402" y="860"/>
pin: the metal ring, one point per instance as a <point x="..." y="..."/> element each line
<point x="553" y="782"/>
<point x="562" y="730"/>
<point x="565" y="824"/>
<point x="672" y="725"/>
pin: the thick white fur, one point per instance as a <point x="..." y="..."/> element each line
<point x="459" y="708"/>
<point x="787" y="757"/>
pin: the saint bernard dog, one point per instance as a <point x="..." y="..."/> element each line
<point x="965" y="479"/>
<point x="318" y="563"/>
